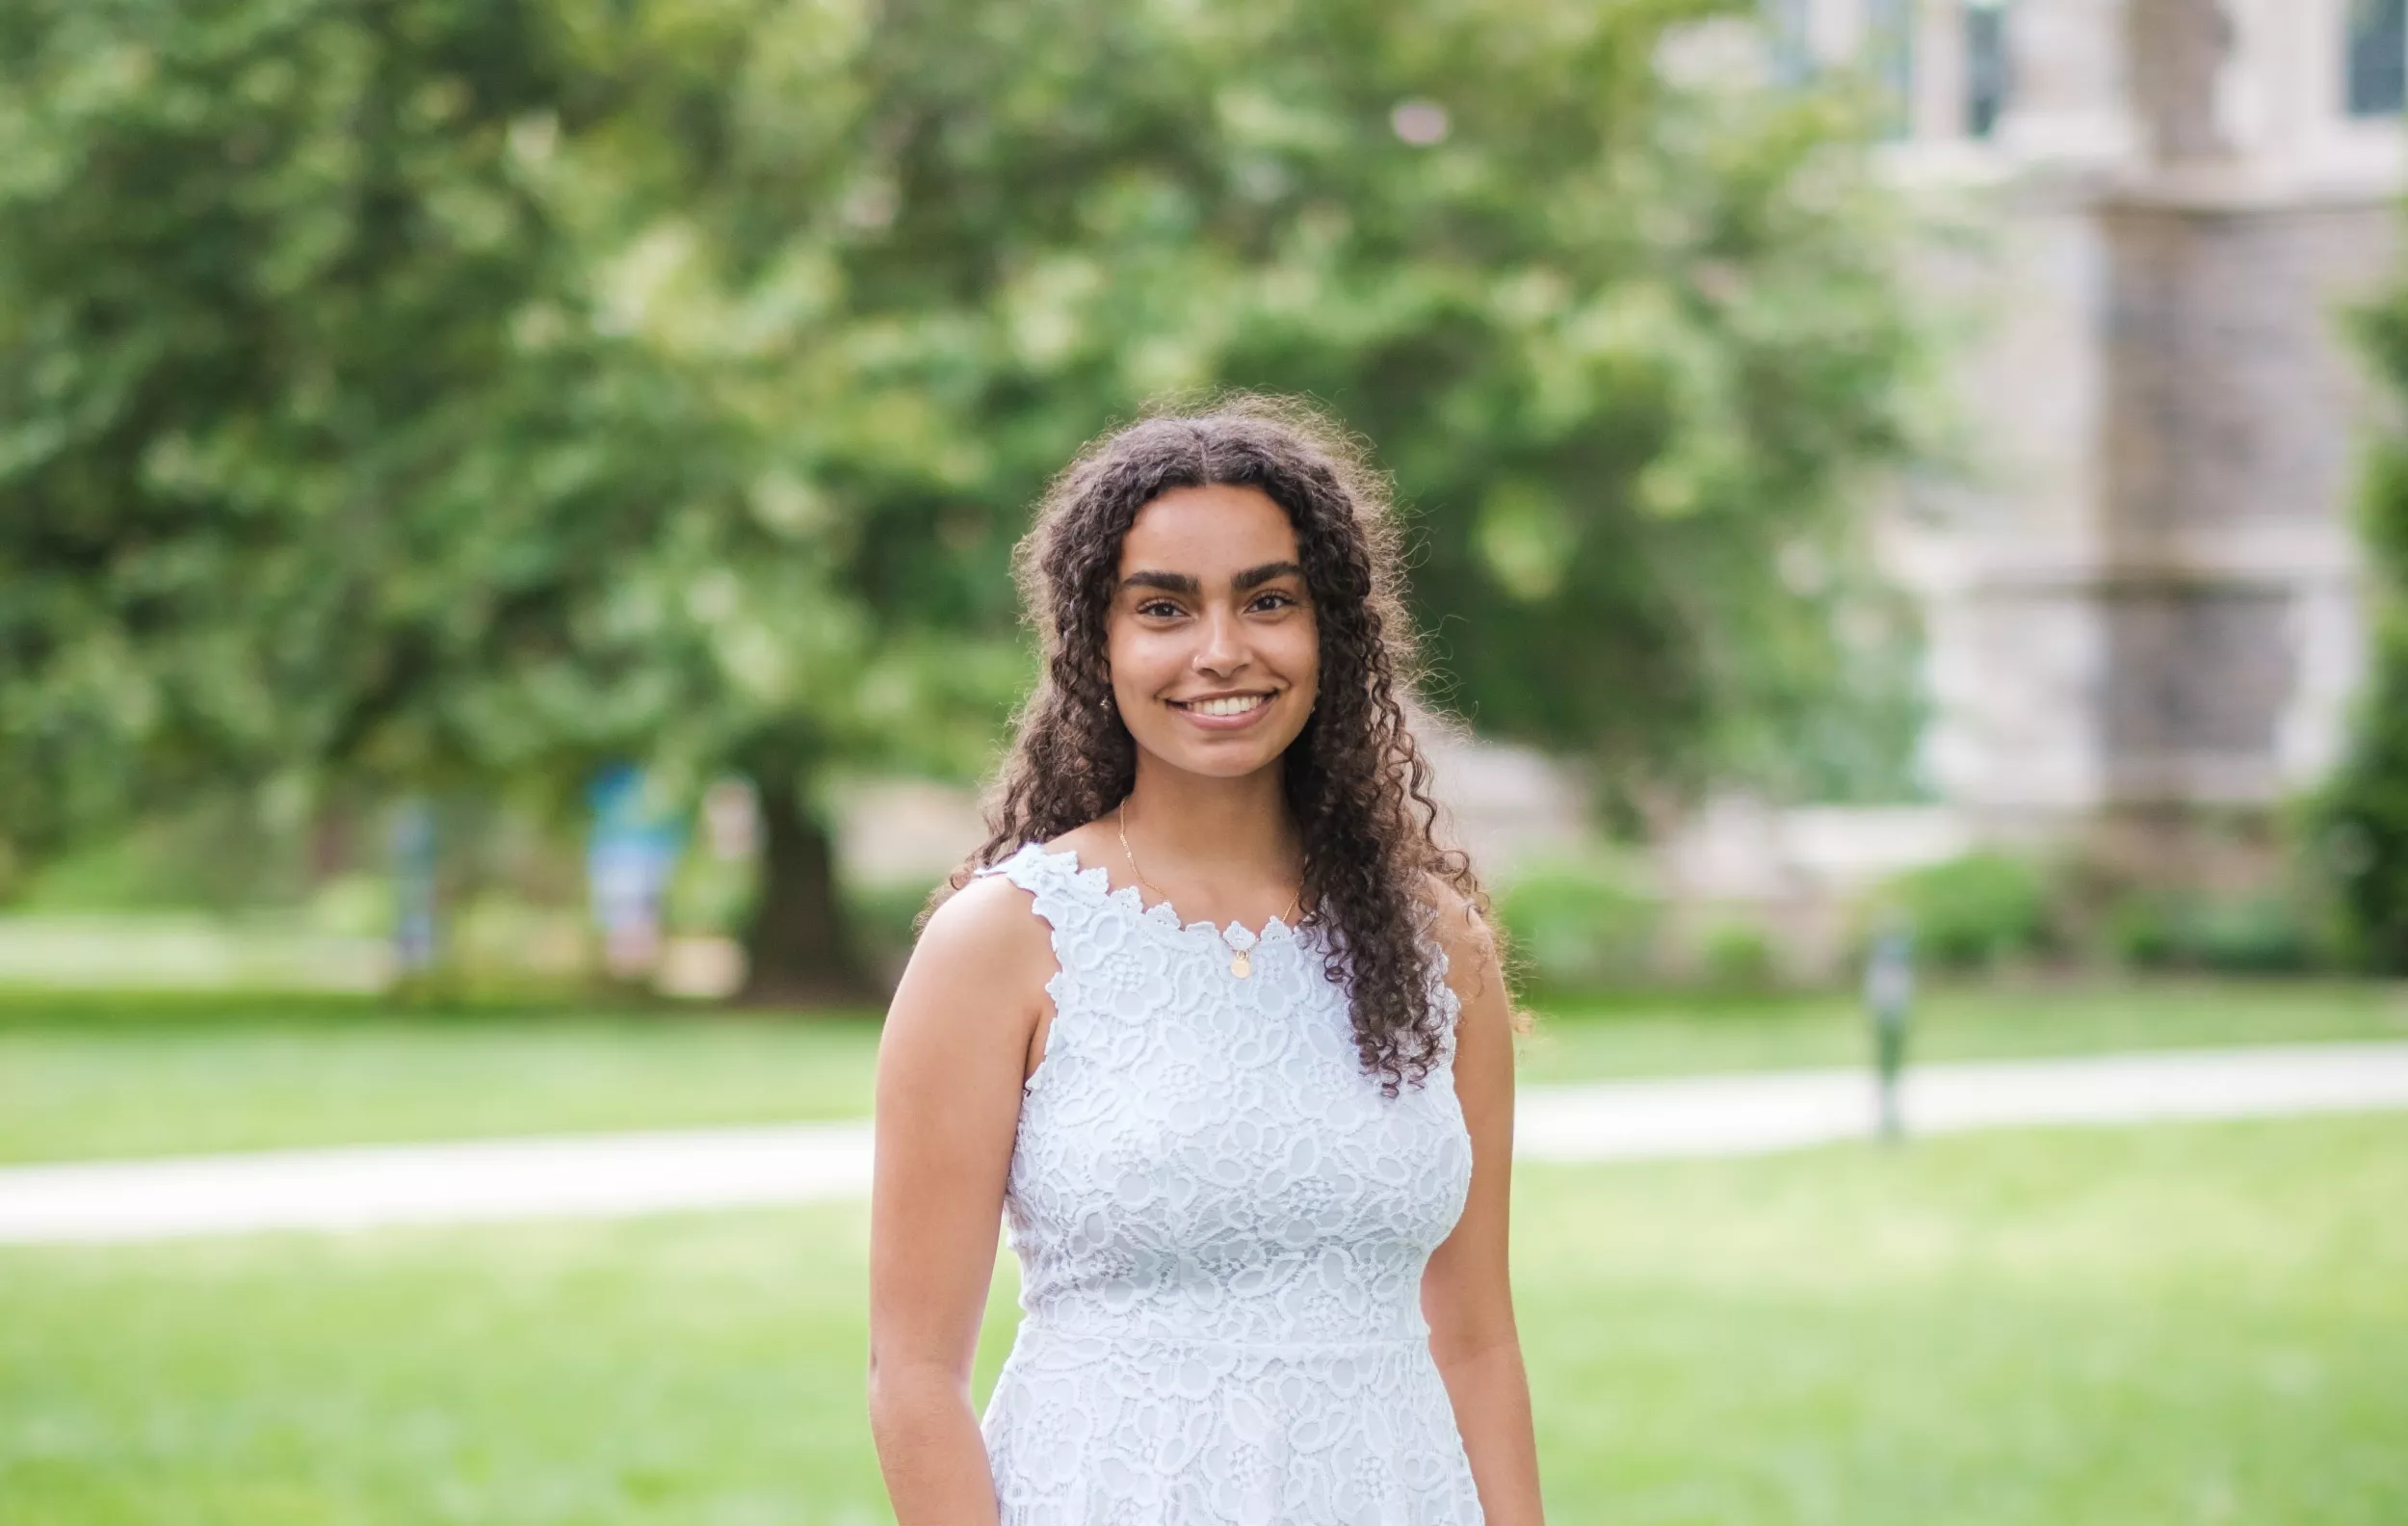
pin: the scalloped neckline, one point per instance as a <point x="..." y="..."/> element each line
<point x="1096" y="880"/>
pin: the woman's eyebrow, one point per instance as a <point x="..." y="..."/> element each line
<point x="1168" y="582"/>
<point x="1186" y="583"/>
<point x="1256" y="577"/>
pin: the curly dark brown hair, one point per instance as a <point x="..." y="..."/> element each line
<point x="1356" y="782"/>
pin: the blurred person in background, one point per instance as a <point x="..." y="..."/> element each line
<point x="1219" y="1027"/>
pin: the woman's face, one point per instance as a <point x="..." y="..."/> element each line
<point x="1214" y="658"/>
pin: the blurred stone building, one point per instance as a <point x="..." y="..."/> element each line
<point x="2140" y="600"/>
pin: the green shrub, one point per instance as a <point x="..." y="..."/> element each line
<point x="2357" y="837"/>
<point x="2142" y="929"/>
<point x="2258" y="933"/>
<point x="1974" y="910"/>
<point x="2254" y="934"/>
<point x="1736" y="954"/>
<point x="1574" y="923"/>
<point x="219" y="855"/>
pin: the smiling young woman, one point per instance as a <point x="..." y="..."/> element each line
<point x="1216" y="1025"/>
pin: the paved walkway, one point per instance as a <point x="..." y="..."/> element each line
<point x="607" y="1176"/>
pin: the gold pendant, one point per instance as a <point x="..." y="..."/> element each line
<point x="1241" y="964"/>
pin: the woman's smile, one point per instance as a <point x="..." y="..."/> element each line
<point x="1224" y="712"/>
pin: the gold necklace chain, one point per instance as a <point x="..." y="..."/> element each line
<point x="1241" y="959"/>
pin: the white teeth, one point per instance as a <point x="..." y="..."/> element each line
<point x="1235" y="705"/>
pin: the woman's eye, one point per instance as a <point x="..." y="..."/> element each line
<point x="1158" y="609"/>
<point x="1273" y="600"/>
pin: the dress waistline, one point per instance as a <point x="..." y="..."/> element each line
<point x="1046" y="1329"/>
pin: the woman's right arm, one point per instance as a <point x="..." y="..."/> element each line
<point x="950" y="1068"/>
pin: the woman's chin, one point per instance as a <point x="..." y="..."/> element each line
<point x="1233" y="756"/>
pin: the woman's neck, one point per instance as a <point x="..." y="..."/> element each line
<point x="1198" y="827"/>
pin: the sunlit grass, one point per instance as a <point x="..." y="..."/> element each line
<point x="2172" y="1324"/>
<point x="84" y="1077"/>
<point x="1579" y="1039"/>
<point x="114" y="1083"/>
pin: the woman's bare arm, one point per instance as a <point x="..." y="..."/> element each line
<point x="1466" y="1294"/>
<point x="950" y="1067"/>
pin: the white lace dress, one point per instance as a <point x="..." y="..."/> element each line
<point x="1221" y="1226"/>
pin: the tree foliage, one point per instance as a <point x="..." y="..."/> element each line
<point x="2360" y="819"/>
<point x="483" y="388"/>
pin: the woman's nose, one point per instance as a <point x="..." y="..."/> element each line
<point x="1223" y="647"/>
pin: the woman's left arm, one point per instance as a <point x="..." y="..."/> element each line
<point x="1466" y="1294"/>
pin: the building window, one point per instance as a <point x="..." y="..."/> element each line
<point x="1986" y="76"/>
<point x="2378" y="57"/>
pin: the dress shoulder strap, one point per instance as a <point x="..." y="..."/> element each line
<point x="1067" y="904"/>
<point x="1054" y="881"/>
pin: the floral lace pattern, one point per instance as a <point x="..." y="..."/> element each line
<point x="1221" y="1226"/>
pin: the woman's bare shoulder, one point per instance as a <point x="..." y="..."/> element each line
<point x="991" y="926"/>
<point x="971" y="995"/>
<point x="988" y="922"/>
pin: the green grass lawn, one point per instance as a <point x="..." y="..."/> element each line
<point x="87" y="1077"/>
<point x="1581" y="1040"/>
<point x="2198" y="1323"/>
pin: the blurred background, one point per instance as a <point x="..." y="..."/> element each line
<point x="504" y="607"/>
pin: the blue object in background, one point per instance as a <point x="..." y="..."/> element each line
<point x="414" y="909"/>
<point x="630" y="855"/>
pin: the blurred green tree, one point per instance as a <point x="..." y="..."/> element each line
<point x="2358" y="831"/>
<point x="488" y="387"/>
<point x="293" y="472"/>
